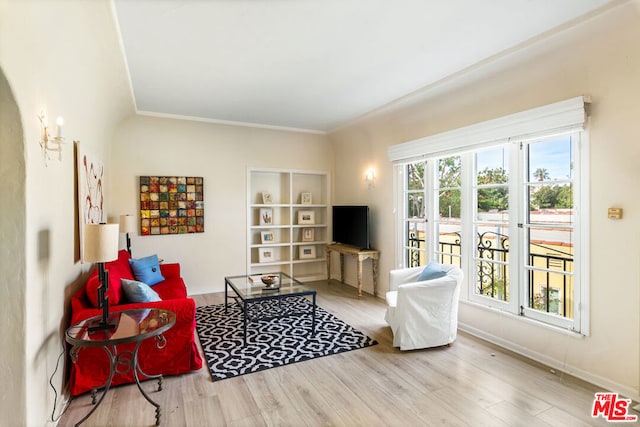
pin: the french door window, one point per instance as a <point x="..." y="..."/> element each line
<point x="506" y="214"/>
<point x="549" y="227"/>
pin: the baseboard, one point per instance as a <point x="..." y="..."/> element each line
<point x="604" y="383"/>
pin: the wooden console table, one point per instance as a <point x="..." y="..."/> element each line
<point x="359" y="255"/>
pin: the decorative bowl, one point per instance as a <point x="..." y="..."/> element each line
<point x="270" y="280"/>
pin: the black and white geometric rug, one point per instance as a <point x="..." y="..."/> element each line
<point x="273" y="342"/>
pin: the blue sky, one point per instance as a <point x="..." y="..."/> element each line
<point x="554" y="155"/>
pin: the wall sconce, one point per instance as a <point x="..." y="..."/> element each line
<point x="370" y="177"/>
<point x="50" y="143"/>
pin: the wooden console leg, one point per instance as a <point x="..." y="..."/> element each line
<point x="374" y="265"/>
<point x="328" y="255"/>
<point x="359" y="261"/>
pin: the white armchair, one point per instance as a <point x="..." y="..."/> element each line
<point x="423" y="314"/>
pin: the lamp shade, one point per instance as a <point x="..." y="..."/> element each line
<point x="127" y="223"/>
<point x="101" y="242"/>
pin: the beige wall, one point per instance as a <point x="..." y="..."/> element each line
<point x="600" y="58"/>
<point x="63" y="57"/>
<point x="12" y="269"/>
<point x="221" y="154"/>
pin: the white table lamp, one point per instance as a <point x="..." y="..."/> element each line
<point x="128" y="225"/>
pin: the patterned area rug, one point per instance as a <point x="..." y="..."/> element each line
<point x="272" y="342"/>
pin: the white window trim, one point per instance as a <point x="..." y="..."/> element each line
<point x="563" y="117"/>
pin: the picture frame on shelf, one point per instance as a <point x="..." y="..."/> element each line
<point x="267" y="237"/>
<point x="306" y="217"/>
<point x="266" y="216"/>
<point x="308" y="234"/>
<point x="306" y="198"/>
<point x="267" y="199"/>
<point x="307" y="252"/>
<point x="265" y="255"/>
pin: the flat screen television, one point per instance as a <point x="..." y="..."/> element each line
<point x="351" y="226"/>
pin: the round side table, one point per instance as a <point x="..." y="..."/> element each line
<point x="123" y="327"/>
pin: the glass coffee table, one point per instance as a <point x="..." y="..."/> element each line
<point x="249" y="292"/>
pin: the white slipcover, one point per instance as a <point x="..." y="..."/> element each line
<point x="423" y="314"/>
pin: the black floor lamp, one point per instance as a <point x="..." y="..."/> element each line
<point x="100" y="246"/>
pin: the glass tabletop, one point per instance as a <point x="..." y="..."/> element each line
<point x="252" y="287"/>
<point x="129" y="326"/>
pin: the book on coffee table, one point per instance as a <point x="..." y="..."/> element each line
<point x="256" y="278"/>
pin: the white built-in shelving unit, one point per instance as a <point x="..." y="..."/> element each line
<point x="288" y="252"/>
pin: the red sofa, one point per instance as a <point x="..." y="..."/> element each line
<point x="179" y="356"/>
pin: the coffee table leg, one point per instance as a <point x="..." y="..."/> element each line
<point x="226" y="305"/>
<point x="245" y="322"/>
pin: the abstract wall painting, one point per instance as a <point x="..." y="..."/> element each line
<point x="91" y="208"/>
<point x="171" y="205"/>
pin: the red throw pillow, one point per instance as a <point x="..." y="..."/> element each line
<point x="115" y="288"/>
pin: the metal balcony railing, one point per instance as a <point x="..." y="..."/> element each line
<point x="492" y="261"/>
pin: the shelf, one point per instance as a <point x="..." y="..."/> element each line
<point x="269" y="245"/>
<point x="306" y="206"/>
<point x="288" y="188"/>
<point x="270" y="205"/>
<point x="267" y="227"/>
<point x="269" y="264"/>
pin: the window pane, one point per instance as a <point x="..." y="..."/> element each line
<point x="551" y="248"/>
<point x="493" y="203"/>
<point x="493" y="242"/>
<point x="415" y="205"/>
<point x="551" y="203"/>
<point x="449" y="205"/>
<point x="491" y="252"/>
<point x="551" y="160"/>
<point x="415" y="176"/>
<point x="551" y="293"/>
<point x="416" y="244"/>
<point x="449" y="172"/>
<point x="449" y="243"/>
<point x="492" y="280"/>
<point x="492" y="166"/>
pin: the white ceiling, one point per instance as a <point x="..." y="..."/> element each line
<point x="314" y="64"/>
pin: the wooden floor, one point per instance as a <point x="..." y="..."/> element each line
<point x="471" y="383"/>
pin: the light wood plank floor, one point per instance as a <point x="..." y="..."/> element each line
<point x="471" y="383"/>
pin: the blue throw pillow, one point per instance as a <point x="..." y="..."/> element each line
<point x="138" y="292"/>
<point x="147" y="270"/>
<point x="433" y="270"/>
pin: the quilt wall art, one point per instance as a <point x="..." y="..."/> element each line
<point x="171" y="205"/>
